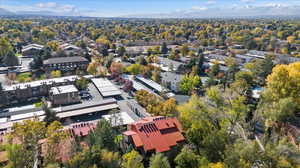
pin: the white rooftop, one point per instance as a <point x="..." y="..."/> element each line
<point x="32" y="46"/>
<point x="151" y="83"/>
<point x="105" y="87"/>
<point x="27" y="115"/>
<point x="256" y="92"/>
<point x="3" y="120"/>
<point x="119" y="119"/>
<point x="63" y="89"/>
<point x="40" y="82"/>
<point x="87" y="110"/>
<point x="66" y="46"/>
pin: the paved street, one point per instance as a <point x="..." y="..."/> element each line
<point x="125" y="108"/>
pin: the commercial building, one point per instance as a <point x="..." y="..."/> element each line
<point x="65" y="63"/>
<point x="62" y="95"/>
<point x="153" y="134"/>
<point x="106" y="88"/>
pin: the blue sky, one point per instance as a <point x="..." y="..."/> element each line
<point x="113" y="8"/>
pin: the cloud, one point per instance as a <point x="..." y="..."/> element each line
<point x="211" y="2"/>
<point x="47" y="8"/>
<point x="236" y="10"/>
<point x="55" y="7"/>
<point x="47" y="5"/>
<point x="199" y="8"/>
<point x="248" y="1"/>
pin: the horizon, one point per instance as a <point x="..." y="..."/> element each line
<point x="155" y="8"/>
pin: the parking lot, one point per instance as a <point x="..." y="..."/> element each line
<point x="94" y="93"/>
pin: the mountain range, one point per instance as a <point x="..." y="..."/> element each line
<point x="202" y="13"/>
<point x="4" y="12"/>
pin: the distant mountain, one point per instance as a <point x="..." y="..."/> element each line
<point x="195" y="15"/>
<point x="233" y="12"/>
<point x="4" y="12"/>
<point x="40" y="13"/>
<point x="43" y="13"/>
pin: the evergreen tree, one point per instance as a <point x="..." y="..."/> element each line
<point x="50" y="115"/>
<point x="11" y="59"/>
<point x="201" y="60"/>
<point x="164" y="48"/>
<point x="121" y="51"/>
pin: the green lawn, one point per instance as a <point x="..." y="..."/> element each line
<point x="18" y="54"/>
<point x="38" y="104"/>
<point x="24" y="77"/>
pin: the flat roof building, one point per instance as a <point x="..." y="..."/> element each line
<point x="25" y="91"/>
<point x="119" y="119"/>
<point x="61" y="95"/>
<point x="63" y="112"/>
<point x="63" y="89"/>
<point x="106" y="87"/>
<point x="151" y="84"/>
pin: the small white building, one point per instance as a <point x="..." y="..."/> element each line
<point x="119" y="119"/>
<point x="61" y="95"/>
<point x="171" y="80"/>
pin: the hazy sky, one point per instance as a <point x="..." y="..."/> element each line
<point x="114" y="8"/>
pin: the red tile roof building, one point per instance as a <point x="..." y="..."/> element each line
<point x="154" y="134"/>
<point x="82" y="129"/>
<point x="64" y="149"/>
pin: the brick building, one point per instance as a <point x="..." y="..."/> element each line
<point x="61" y="95"/>
<point x="25" y="91"/>
<point x="65" y="63"/>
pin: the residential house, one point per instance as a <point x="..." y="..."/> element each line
<point x="222" y="58"/>
<point x="171" y="80"/>
<point x="285" y="59"/>
<point x="257" y="54"/>
<point x="70" y="49"/>
<point x="167" y="64"/>
<point x="31" y="50"/>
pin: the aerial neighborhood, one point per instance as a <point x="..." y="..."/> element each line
<point x="128" y="93"/>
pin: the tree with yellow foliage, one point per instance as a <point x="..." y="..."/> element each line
<point x="284" y="82"/>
